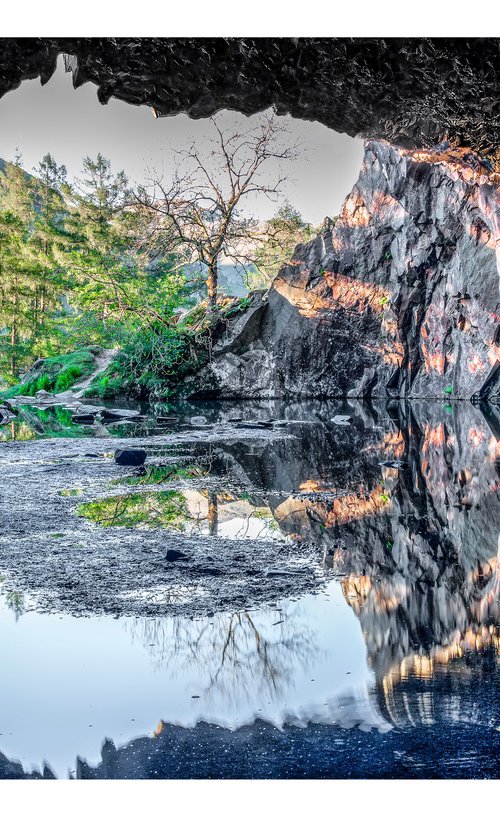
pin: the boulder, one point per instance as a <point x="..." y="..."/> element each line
<point x="6" y="415"/>
<point x="130" y="456"/>
<point x="341" y="419"/>
<point x="176" y="556"/>
<point x="168" y="421"/>
<point x="198" y="421"/>
<point x="120" y="414"/>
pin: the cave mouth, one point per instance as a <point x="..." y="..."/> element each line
<point x="413" y="92"/>
<point x="73" y="123"/>
<point x="231" y="587"/>
<point x="424" y="301"/>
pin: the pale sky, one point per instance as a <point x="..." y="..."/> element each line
<point x="71" y="124"/>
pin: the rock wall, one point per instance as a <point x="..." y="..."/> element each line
<point x="398" y="298"/>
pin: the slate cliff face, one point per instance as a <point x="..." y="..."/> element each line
<point x="399" y="298"/>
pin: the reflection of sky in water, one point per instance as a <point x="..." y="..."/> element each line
<point x="67" y="683"/>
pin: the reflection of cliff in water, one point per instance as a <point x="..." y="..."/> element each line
<point x="407" y="511"/>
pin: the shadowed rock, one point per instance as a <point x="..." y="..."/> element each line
<point x="130" y="456"/>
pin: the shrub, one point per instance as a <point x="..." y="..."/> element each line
<point x="152" y="363"/>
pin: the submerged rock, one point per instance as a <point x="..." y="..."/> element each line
<point x="120" y="414"/>
<point x="341" y="419"/>
<point x="198" y="421"/>
<point x="83" y="419"/>
<point x="130" y="456"/>
<point x="398" y="298"/>
<point x="176" y="556"/>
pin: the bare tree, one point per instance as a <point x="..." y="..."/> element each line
<point x="198" y="213"/>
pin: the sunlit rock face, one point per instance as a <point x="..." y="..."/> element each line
<point x="399" y="298"/>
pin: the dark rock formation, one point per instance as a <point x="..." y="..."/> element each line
<point x="434" y="749"/>
<point x="6" y="415"/>
<point x="399" y="298"/>
<point x="412" y="92"/>
<point x="13" y="770"/>
<point x="130" y="456"/>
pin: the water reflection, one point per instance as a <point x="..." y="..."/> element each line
<point x="241" y="657"/>
<point x="402" y="507"/>
<point x="205" y="512"/>
<point x="409" y="520"/>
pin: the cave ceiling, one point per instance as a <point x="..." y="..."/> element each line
<point x="412" y="92"/>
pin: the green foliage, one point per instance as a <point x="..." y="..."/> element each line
<point x="74" y="269"/>
<point x="32" y="422"/>
<point x="152" y="363"/>
<point x="284" y="231"/>
<point x="448" y="390"/>
<point x="157" y="474"/>
<point x="90" y="263"/>
<point x="56" y="374"/>
<point x="17" y="430"/>
<point x="14" y="600"/>
<point x="166" y="509"/>
<point x="31" y="233"/>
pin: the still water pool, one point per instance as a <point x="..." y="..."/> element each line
<point x="335" y="612"/>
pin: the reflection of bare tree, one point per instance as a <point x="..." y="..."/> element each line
<point x="233" y="656"/>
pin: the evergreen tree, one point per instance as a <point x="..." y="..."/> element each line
<point x="283" y="232"/>
<point x="18" y="276"/>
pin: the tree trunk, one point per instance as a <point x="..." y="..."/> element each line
<point x="13" y="342"/>
<point x="213" y="516"/>
<point x="212" y="280"/>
